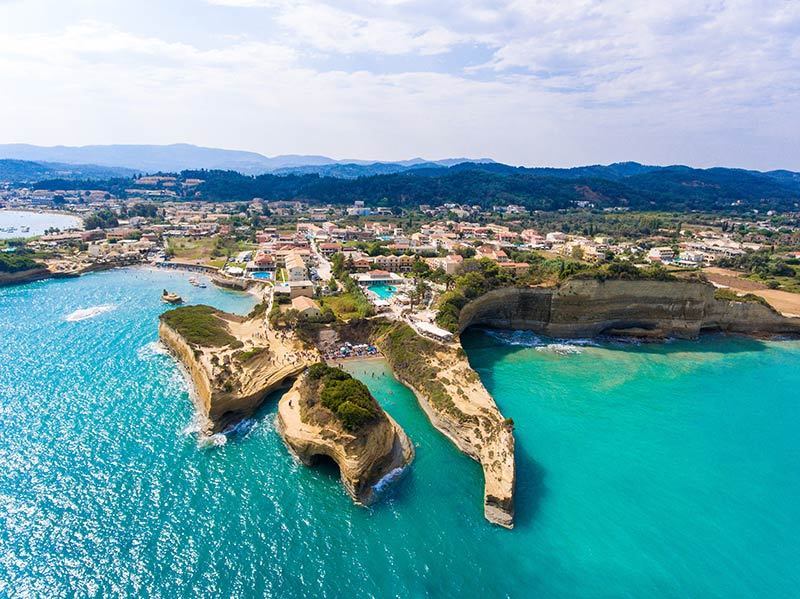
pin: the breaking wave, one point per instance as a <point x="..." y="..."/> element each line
<point x="387" y="480"/>
<point x="562" y="349"/>
<point x="241" y="428"/>
<point x="541" y="344"/>
<point x="152" y="349"/>
<point x="215" y="440"/>
<point x="86" y="313"/>
<point x="194" y="427"/>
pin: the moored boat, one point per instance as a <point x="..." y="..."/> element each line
<point x="171" y="298"/>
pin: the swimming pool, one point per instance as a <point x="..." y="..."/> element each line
<point x="261" y="275"/>
<point x="383" y="291"/>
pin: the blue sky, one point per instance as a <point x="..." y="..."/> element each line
<point x="535" y="82"/>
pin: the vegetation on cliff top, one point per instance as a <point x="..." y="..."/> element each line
<point x="352" y="303"/>
<point x="10" y="262"/>
<point x="347" y="398"/>
<point x="764" y="267"/>
<point x="406" y="353"/>
<point x="200" y="325"/>
<point x="731" y="296"/>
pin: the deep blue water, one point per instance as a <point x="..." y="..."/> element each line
<point x="656" y="470"/>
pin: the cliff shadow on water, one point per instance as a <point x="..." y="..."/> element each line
<point x="240" y="426"/>
<point x="530" y="488"/>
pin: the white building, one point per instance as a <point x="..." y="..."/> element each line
<point x="296" y="268"/>
<point x="661" y="254"/>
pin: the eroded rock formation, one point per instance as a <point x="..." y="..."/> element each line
<point x="365" y="455"/>
<point x="231" y="381"/>
<point x="589" y="307"/>
<point x="457" y="403"/>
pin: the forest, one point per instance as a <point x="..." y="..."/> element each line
<point x="637" y="188"/>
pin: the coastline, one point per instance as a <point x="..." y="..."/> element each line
<point x="200" y="420"/>
<point x="355" y="360"/>
<point x="80" y="226"/>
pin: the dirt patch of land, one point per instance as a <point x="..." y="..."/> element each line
<point x="732" y="279"/>
<point x="784" y="302"/>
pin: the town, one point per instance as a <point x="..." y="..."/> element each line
<point x="327" y="262"/>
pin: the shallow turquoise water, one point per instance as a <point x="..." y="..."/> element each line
<point x="383" y="292"/>
<point x="659" y="470"/>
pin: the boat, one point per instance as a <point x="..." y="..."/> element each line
<point x="171" y="298"/>
<point x="194" y="281"/>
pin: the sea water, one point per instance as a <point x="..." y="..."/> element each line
<point x="12" y="223"/>
<point x="643" y="470"/>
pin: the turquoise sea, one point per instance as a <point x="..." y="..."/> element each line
<point x="644" y="470"/>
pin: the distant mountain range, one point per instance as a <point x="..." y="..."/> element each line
<point x="178" y="157"/>
<point x="234" y="176"/>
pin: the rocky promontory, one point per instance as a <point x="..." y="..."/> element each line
<point x="25" y="276"/>
<point x="329" y="413"/>
<point x="233" y="362"/>
<point x="457" y="403"/>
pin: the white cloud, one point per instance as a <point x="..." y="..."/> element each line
<point x="327" y="28"/>
<point x="565" y="82"/>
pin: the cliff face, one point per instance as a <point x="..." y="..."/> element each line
<point x="229" y="385"/>
<point x="364" y="456"/>
<point x="24" y="276"/>
<point x="458" y="405"/>
<point x="588" y="307"/>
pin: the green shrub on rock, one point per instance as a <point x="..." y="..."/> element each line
<point x="349" y="399"/>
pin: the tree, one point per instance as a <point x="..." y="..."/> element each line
<point x="420" y="269"/>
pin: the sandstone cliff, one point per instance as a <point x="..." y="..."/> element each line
<point x="457" y="404"/>
<point x="589" y="307"/>
<point x="231" y="381"/>
<point x="365" y="456"/>
<point x="24" y="276"/>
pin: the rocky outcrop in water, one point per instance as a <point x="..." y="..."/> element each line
<point x="640" y="308"/>
<point x="458" y="405"/>
<point x="231" y="381"/>
<point x="24" y="276"/>
<point x="366" y="455"/>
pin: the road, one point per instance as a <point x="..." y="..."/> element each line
<point x="324" y="270"/>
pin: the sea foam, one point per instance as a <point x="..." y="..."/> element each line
<point x="561" y="347"/>
<point x="86" y="313"/>
<point x="152" y="349"/>
<point x="215" y="440"/>
<point x="387" y="480"/>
